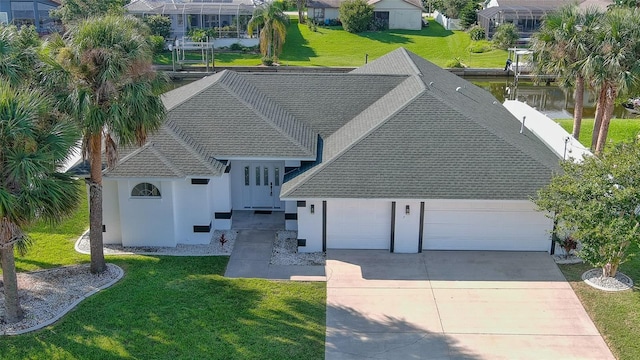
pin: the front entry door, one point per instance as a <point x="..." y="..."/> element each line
<point x="265" y="182"/>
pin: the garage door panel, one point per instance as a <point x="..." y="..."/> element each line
<point x="469" y="226"/>
<point x="358" y="224"/>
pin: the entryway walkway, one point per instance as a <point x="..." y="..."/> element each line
<point x="454" y="305"/>
<point x="251" y="256"/>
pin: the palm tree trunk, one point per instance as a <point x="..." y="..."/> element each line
<point x="98" y="264"/>
<point x="578" y="107"/>
<point x="606" y="118"/>
<point x="12" y="310"/>
<point x="600" y="105"/>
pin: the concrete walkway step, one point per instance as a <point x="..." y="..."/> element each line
<point x="251" y="258"/>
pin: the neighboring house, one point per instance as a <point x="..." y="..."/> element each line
<point x="527" y="15"/>
<point x="399" y="155"/>
<point x="29" y="13"/>
<point x="399" y="14"/>
<point x="228" y="17"/>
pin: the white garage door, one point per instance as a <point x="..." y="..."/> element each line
<point x="358" y="224"/>
<point x="485" y="225"/>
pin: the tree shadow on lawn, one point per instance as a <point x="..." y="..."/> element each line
<point x="296" y="47"/>
<point x="182" y="307"/>
<point x="355" y="335"/>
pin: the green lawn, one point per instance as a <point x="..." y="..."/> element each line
<point x="172" y="308"/>
<point x="616" y="315"/>
<point x="619" y="130"/>
<point x="332" y="46"/>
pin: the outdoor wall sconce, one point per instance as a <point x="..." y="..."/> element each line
<point x="407" y="210"/>
<point x="312" y="208"/>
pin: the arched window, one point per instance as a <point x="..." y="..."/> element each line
<point x="145" y="190"/>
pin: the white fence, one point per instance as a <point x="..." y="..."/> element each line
<point x="449" y="24"/>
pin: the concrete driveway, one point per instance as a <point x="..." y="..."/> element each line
<point x="454" y="305"/>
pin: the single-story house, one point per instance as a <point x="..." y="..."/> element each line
<point x="398" y="154"/>
<point x="221" y="15"/>
<point x="35" y="12"/>
<point x="526" y="15"/>
<point x="399" y="14"/>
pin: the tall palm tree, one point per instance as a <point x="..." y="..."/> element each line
<point x="564" y="40"/>
<point x="112" y="92"/>
<point x="615" y="65"/>
<point x="272" y="22"/>
<point x="18" y="56"/>
<point x="32" y="146"/>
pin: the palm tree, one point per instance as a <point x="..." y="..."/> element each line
<point x="113" y="93"/>
<point x="564" y="40"/>
<point x="32" y="147"/>
<point x="273" y="23"/>
<point x="18" y="56"/>
<point x="615" y="65"/>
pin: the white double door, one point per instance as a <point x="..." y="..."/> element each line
<point x="262" y="182"/>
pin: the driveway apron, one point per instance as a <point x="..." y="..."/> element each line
<point x="454" y="305"/>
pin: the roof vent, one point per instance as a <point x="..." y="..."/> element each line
<point x="522" y="125"/>
<point x="495" y="103"/>
<point x="458" y="89"/>
<point x="430" y="83"/>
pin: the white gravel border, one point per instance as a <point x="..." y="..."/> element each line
<point x="285" y="251"/>
<point x="620" y="282"/>
<point x="214" y="248"/>
<point x="51" y="304"/>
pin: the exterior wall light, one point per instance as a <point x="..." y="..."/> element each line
<point x="312" y="208"/>
<point x="407" y="210"/>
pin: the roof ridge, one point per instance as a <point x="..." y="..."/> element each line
<point x="127" y="157"/>
<point x="190" y="145"/>
<point x="166" y="161"/>
<point x="208" y="80"/>
<point x="258" y="108"/>
<point x="393" y="94"/>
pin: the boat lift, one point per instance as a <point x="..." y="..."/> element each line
<point x="522" y="66"/>
<point x="181" y="46"/>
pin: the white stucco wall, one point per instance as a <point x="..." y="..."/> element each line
<point x="485" y="225"/>
<point x="192" y="206"/>
<point x="221" y="196"/>
<point x="407" y="227"/>
<point x="310" y="226"/>
<point x="147" y="221"/>
<point x="290" y="207"/>
<point x="111" y="212"/>
<point x="331" y="13"/>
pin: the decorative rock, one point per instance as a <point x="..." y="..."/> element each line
<point x="595" y="279"/>
<point x="285" y="251"/>
<point x="46" y="295"/>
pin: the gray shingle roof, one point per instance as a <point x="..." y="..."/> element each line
<point x="398" y="127"/>
<point x="324" y="101"/>
<point x="166" y="155"/>
<point x="231" y="118"/>
<point x="450" y="140"/>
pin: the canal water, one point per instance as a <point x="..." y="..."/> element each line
<point x="551" y="100"/>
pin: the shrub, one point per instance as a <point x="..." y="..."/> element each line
<point x="355" y="15"/>
<point x="159" y="25"/>
<point x="506" y="36"/>
<point x="378" y="25"/>
<point x="157" y="43"/>
<point x="267" y="60"/>
<point x="312" y="25"/>
<point x="455" y="63"/>
<point x="479" y="47"/>
<point x="477" y="33"/>
<point x="235" y="47"/>
<point x="197" y="34"/>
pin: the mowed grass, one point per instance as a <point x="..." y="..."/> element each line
<point x="334" y="47"/>
<point x="619" y="129"/>
<point x="171" y="308"/>
<point x="616" y="315"/>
